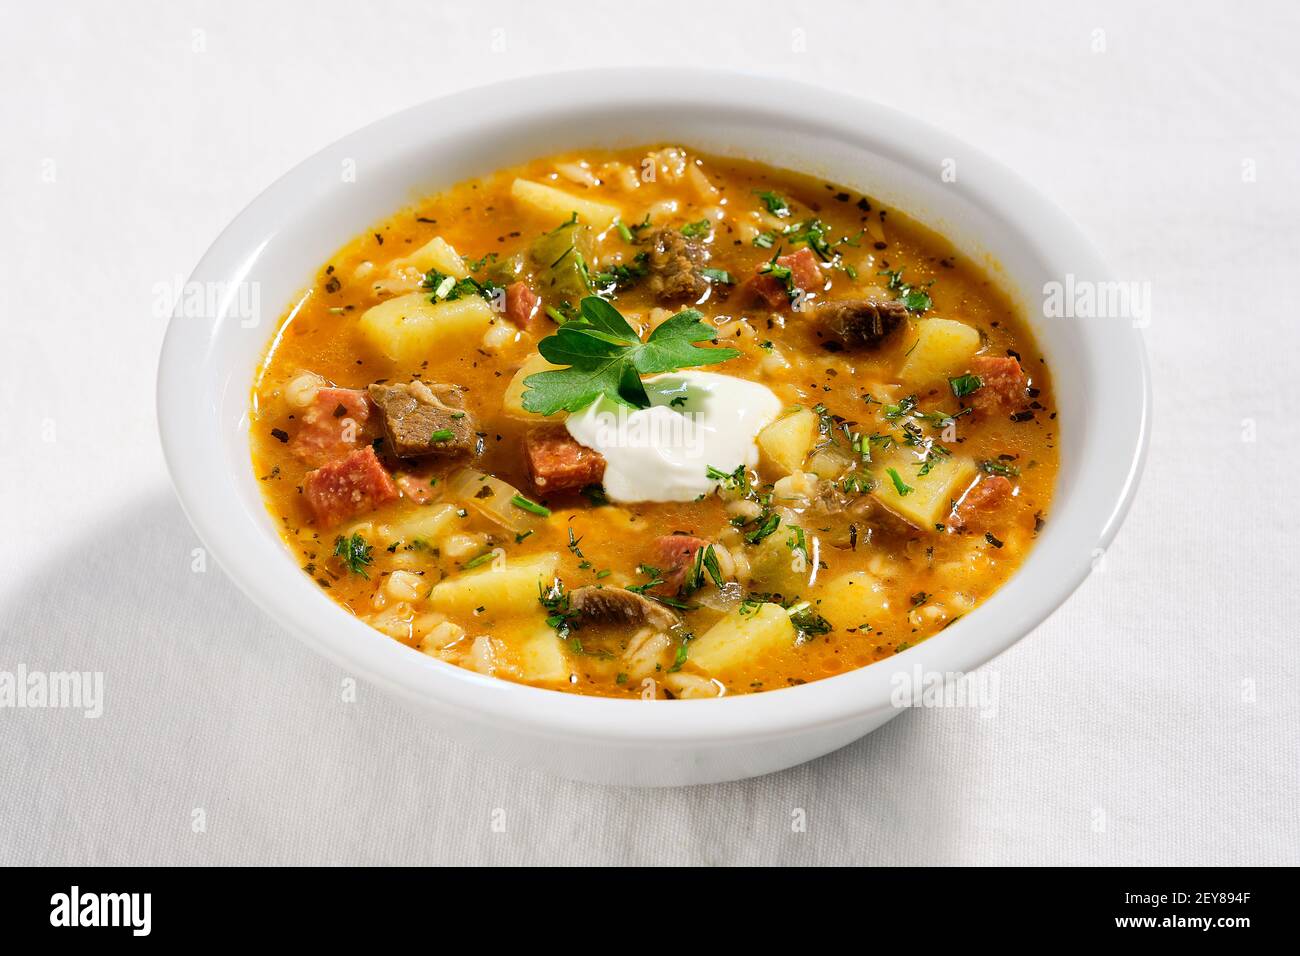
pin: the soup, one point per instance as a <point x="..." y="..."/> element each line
<point x="649" y="423"/>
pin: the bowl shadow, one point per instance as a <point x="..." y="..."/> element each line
<point x="222" y="740"/>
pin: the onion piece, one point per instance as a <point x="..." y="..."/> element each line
<point x="492" y="498"/>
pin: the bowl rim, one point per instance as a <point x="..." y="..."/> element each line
<point x="208" y="498"/>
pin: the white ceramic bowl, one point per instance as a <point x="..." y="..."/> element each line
<point x="275" y="245"/>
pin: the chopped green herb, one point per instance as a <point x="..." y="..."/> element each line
<point x="650" y="571"/>
<point x="737" y="480"/>
<point x="964" y="385"/>
<point x="899" y="485"/>
<point x="560" y="616"/>
<point x="810" y="624"/>
<point x="914" y="298"/>
<point x="354" y="553"/>
<point x="441" y="435"/>
<point x="447" y="288"/>
<point x="478" y="560"/>
<point x="519" y="501"/>
<point x="718" y="275"/>
<point x="680" y="657"/>
<point x="693" y="230"/>
<point x="775" y="204"/>
<point x="766" y="526"/>
<point x="999" y="468"/>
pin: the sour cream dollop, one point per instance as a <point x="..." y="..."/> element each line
<point x="696" y="420"/>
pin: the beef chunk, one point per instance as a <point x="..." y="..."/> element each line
<point x="336" y="422"/>
<point x="861" y="323"/>
<point x="556" y="462"/>
<point x="673" y="263"/>
<point x="418" y="418"/>
<point x="347" y="487"/>
<point x="621" y="606"/>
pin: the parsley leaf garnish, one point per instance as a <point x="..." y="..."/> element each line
<point x="606" y="357"/>
<point x="963" y="385"/>
<point x="914" y="298"/>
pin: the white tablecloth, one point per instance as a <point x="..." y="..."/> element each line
<point x="1153" y="719"/>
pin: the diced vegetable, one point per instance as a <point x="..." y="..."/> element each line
<point x="852" y="600"/>
<point x="780" y="562"/>
<point x="410" y="328"/>
<point x="563" y="257"/>
<point x="786" y="442"/>
<point x="745" y="634"/>
<point x="943" y="347"/>
<point x="922" y="500"/>
<point x="427" y="524"/>
<point x="556" y="204"/>
<point x="434" y="254"/>
<point x="512" y="403"/>
<point x="541" y="656"/>
<point x="500" y="592"/>
<point x="493" y="498"/>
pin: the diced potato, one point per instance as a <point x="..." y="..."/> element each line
<point x="409" y="328"/>
<point x="853" y="599"/>
<point x="786" y="442"/>
<point x="428" y="524"/>
<point x="541" y="656"/>
<point x="513" y="402"/>
<point x="943" y="347"/>
<point x="929" y="497"/>
<point x="506" y="592"/>
<point x="740" y="637"/>
<point x="438" y="254"/>
<point x="558" y="205"/>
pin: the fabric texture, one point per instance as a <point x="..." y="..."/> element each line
<point x="1153" y="719"/>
